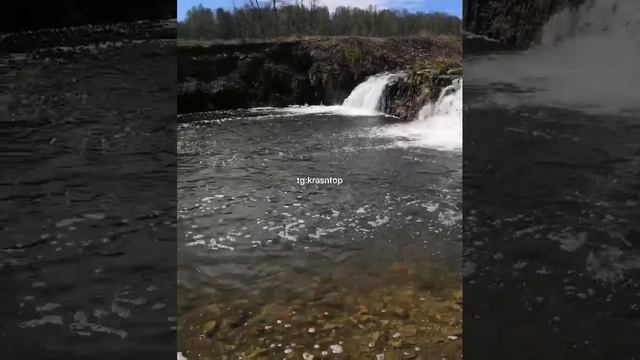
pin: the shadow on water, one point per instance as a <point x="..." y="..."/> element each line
<point x="88" y="203"/>
<point x="551" y="256"/>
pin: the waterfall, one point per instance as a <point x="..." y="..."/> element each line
<point x="368" y="95"/>
<point x="438" y="125"/>
<point x="365" y="100"/>
<point x="589" y="56"/>
<point x="595" y="19"/>
<point x="587" y="60"/>
<point x="449" y="104"/>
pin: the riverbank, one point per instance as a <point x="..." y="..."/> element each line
<point x="313" y="71"/>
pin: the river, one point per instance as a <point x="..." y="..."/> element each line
<point x="88" y="192"/>
<point x="551" y="188"/>
<point x="272" y="268"/>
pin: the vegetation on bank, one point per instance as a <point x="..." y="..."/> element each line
<point x="306" y="18"/>
<point x="311" y="71"/>
<point x="421" y="84"/>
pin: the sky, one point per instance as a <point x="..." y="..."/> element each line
<point x="453" y="7"/>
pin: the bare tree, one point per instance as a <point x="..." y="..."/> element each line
<point x="255" y="4"/>
<point x="257" y="14"/>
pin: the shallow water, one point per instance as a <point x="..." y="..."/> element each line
<point x="88" y="207"/>
<point x="263" y="259"/>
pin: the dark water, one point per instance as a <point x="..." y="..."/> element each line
<point x="88" y="202"/>
<point x="552" y="231"/>
<point x="274" y="269"/>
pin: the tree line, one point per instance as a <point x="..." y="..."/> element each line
<point x="275" y="19"/>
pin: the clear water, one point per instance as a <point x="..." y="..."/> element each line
<point x="254" y="241"/>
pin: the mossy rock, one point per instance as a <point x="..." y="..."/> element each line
<point x="455" y="71"/>
<point x="210" y="328"/>
<point x="258" y="354"/>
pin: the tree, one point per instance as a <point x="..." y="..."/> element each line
<point x="275" y="18"/>
<point x="200" y="22"/>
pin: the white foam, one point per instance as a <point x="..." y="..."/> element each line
<point x="438" y="125"/>
<point x="45" y="320"/>
<point x="378" y="221"/>
<point x="327" y="110"/>
<point x="367" y="95"/>
<point x="364" y="100"/>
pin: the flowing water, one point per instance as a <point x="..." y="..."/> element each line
<point x="87" y="259"/>
<point x="438" y="125"/>
<point x="552" y="163"/>
<point x="271" y="268"/>
<point x="367" y="95"/>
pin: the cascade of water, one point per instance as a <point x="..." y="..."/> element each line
<point x="587" y="60"/>
<point x="594" y="18"/>
<point x="368" y="94"/>
<point x="438" y="125"/>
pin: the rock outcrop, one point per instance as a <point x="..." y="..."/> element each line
<point x="296" y="72"/>
<point x="514" y="23"/>
<point x="405" y="97"/>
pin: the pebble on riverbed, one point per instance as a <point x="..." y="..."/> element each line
<point x="416" y="324"/>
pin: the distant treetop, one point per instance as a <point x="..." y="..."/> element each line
<point x="305" y="18"/>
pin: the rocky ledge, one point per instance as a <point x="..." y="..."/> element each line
<point x="513" y="23"/>
<point x="405" y="97"/>
<point x="218" y="76"/>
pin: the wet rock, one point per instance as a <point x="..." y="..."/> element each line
<point x="377" y="339"/>
<point x="213" y="309"/>
<point x="408" y="94"/>
<point x="393" y="355"/>
<point x="409" y="354"/>
<point x="400" y="312"/>
<point x="409" y="330"/>
<point x="258" y="354"/>
<point x="366" y="325"/>
<point x="396" y="343"/>
<point x="210" y="328"/>
<point x="455" y="71"/>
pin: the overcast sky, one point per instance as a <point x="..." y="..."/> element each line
<point x="453" y="7"/>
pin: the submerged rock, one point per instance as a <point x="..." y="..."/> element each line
<point x="336" y="349"/>
<point x="209" y="328"/>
